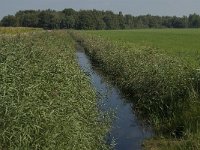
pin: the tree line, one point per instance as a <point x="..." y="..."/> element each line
<point x="95" y="20"/>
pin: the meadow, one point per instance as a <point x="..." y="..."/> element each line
<point x="46" y="101"/>
<point x="163" y="84"/>
<point x="179" y="42"/>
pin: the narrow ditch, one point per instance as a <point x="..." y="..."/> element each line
<point x="128" y="132"/>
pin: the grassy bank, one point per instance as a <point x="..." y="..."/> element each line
<point x="46" y="102"/>
<point x="163" y="87"/>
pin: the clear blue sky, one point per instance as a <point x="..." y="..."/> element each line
<point x="134" y="7"/>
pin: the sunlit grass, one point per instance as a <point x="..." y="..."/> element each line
<point x="179" y="42"/>
<point x="46" y="102"/>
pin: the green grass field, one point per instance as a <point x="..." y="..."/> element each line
<point x="179" y="42"/>
<point x="46" y="101"/>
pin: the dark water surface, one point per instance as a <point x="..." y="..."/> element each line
<point x="127" y="131"/>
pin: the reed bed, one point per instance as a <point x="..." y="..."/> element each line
<point x="46" y="101"/>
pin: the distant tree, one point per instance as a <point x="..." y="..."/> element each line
<point x="155" y="22"/>
<point x="167" y="22"/>
<point x="100" y="24"/>
<point x="111" y="20"/>
<point x="95" y="19"/>
<point x="129" y="21"/>
<point x="28" y="20"/>
<point x="85" y="20"/>
<point x="68" y="22"/>
<point x="108" y="21"/>
<point x="69" y="18"/>
<point x="138" y="21"/>
<point x="194" y="21"/>
<point x="185" y="21"/>
<point x="44" y="19"/>
<point x="55" y="21"/>
<point x="178" y="22"/>
<point x="121" y="20"/>
<point x="69" y="12"/>
<point x="49" y="19"/>
<point x="9" y="21"/>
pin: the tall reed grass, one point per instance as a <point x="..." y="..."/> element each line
<point x="46" y="102"/>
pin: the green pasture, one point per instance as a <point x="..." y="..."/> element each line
<point x="179" y="42"/>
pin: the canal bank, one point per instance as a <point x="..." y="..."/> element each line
<point x="127" y="132"/>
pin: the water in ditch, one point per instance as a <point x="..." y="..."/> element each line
<point x="127" y="130"/>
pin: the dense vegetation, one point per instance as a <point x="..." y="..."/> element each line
<point x="94" y="19"/>
<point x="46" y="102"/>
<point x="164" y="88"/>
